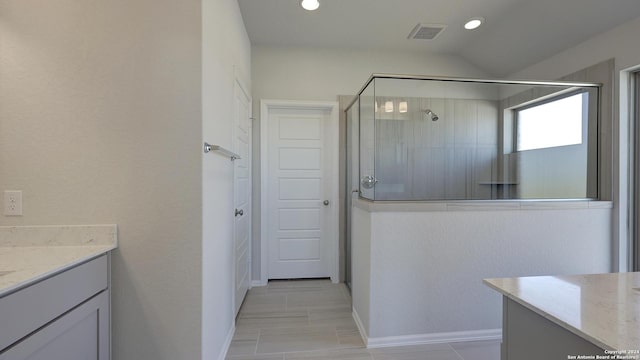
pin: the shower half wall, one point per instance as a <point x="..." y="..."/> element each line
<point x="440" y="204"/>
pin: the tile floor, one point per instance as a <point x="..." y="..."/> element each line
<point x="311" y="320"/>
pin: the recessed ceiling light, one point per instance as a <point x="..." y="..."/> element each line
<point x="473" y="23"/>
<point x="310" y="4"/>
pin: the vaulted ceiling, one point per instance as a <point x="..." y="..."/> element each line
<point x="516" y="34"/>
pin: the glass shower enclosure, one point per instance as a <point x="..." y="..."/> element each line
<point x="426" y="138"/>
<point x="420" y="138"/>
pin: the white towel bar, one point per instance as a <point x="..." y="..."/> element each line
<point x="208" y="147"/>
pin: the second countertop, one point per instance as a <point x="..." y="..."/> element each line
<point x="603" y="309"/>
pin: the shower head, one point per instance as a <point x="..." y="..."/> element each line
<point x="433" y="116"/>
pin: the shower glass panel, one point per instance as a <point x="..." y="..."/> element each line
<point x="367" y="176"/>
<point x="466" y="139"/>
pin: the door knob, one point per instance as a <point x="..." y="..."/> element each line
<point x="239" y="212"/>
<point x="326" y="202"/>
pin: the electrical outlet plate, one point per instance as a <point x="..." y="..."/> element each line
<point x="13" y="202"/>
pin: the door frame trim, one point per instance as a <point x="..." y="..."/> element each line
<point x="240" y="85"/>
<point x="332" y="145"/>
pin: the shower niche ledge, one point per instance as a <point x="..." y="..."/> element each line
<point x="498" y="182"/>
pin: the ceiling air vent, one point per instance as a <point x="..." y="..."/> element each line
<point x="426" y="31"/>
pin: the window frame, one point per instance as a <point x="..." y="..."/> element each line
<point x="564" y="95"/>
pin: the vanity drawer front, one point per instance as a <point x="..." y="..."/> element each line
<point x="32" y="307"/>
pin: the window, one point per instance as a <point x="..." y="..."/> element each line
<point x="553" y="123"/>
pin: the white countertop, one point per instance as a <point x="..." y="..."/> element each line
<point x="603" y="309"/>
<point x="29" y="254"/>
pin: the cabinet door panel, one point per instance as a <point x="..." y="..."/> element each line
<point x="81" y="334"/>
<point x="32" y="307"/>
<point x="78" y="342"/>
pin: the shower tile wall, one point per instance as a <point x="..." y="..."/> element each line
<point x="452" y="158"/>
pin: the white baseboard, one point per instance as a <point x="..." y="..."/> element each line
<point x="257" y="283"/>
<point x="434" y="338"/>
<point x="361" y="329"/>
<point x="227" y="342"/>
<point x="431" y="338"/>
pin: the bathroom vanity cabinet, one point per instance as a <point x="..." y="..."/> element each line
<point x="61" y="317"/>
<point x="527" y="335"/>
<point x="570" y="317"/>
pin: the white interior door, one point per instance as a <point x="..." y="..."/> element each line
<point x="301" y="210"/>
<point x="242" y="194"/>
